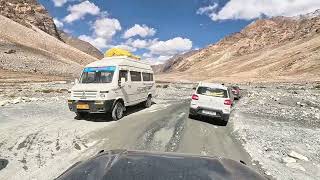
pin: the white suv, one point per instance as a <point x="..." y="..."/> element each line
<point x="212" y="100"/>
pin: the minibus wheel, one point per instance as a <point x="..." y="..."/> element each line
<point x="117" y="111"/>
<point x="81" y="115"/>
<point x="148" y="102"/>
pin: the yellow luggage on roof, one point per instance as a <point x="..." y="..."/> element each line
<point x="119" y="52"/>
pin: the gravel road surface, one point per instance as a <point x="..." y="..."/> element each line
<point x="40" y="140"/>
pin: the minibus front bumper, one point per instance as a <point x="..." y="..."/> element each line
<point x="98" y="106"/>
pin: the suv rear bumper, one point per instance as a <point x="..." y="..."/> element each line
<point x="237" y="96"/>
<point x="219" y="113"/>
<point x="94" y="106"/>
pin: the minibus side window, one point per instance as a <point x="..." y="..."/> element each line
<point x="123" y="74"/>
<point x="135" y="76"/>
<point x="147" y="76"/>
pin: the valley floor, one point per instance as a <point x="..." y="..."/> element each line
<point x="279" y="126"/>
<point x="274" y="128"/>
<point x="21" y="77"/>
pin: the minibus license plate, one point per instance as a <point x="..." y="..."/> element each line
<point x="209" y="112"/>
<point x="82" y="106"/>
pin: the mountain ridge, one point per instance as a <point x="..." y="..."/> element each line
<point x="33" y="51"/>
<point x="253" y="43"/>
<point x="30" y="12"/>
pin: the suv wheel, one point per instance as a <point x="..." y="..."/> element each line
<point x="191" y="116"/>
<point x="225" y="119"/>
<point x="118" y="111"/>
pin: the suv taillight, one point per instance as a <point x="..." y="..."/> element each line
<point x="235" y="91"/>
<point x="228" y="102"/>
<point x="195" y="97"/>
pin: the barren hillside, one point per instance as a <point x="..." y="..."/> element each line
<point x="31" y="50"/>
<point x="276" y="49"/>
<point x="172" y="62"/>
<point x="30" y="12"/>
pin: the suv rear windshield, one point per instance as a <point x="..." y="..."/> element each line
<point x="215" y="92"/>
<point x="97" y="75"/>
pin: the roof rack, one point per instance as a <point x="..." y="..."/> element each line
<point x="120" y="52"/>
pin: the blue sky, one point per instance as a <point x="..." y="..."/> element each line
<point x="159" y="29"/>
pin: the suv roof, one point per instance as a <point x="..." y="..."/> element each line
<point x="213" y="85"/>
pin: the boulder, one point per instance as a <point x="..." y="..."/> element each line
<point x="16" y="100"/>
<point x="288" y="160"/>
<point x="3" y="103"/>
<point x="296" y="155"/>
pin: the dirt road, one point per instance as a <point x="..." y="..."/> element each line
<point x="41" y="140"/>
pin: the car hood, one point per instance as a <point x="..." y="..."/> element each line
<point x="128" y="165"/>
<point x="93" y="87"/>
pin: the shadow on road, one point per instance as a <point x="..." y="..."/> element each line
<point x="107" y="117"/>
<point x="212" y="121"/>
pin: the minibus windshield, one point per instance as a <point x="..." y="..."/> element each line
<point x="97" y="75"/>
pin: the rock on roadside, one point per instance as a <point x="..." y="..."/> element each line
<point x="288" y="160"/>
<point x="297" y="156"/>
<point x="3" y="103"/>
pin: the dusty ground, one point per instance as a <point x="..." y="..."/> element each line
<point x="11" y="77"/>
<point x="275" y="121"/>
<point x="40" y="137"/>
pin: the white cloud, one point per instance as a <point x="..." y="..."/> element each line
<point x="126" y="47"/>
<point x="207" y="9"/>
<point x="160" y="51"/>
<point x="141" y="44"/>
<point x="97" y="42"/>
<point x="155" y="60"/>
<point x="106" y="27"/>
<point x="103" y="31"/>
<point x="157" y="51"/>
<point x="138" y="43"/>
<point x="250" y="9"/>
<point x="146" y="55"/>
<point x="78" y="11"/>
<point x="58" y="23"/>
<point x="138" y="30"/>
<point x="171" y="47"/>
<point x="59" y="3"/>
<point x="163" y="58"/>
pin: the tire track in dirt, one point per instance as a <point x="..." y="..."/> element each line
<point x="164" y="133"/>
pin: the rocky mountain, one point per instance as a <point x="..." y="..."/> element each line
<point x="33" y="51"/>
<point x="157" y="69"/>
<point x="278" y="48"/>
<point x="30" y="12"/>
<point x="172" y="62"/>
